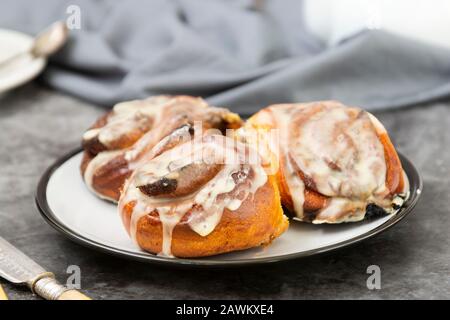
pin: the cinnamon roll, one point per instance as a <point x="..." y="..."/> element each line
<point x="186" y="189"/>
<point x="202" y="197"/>
<point x="123" y="138"/>
<point x="333" y="163"/>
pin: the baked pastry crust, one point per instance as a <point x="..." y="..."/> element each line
<point x="120" y="140"/>
<point x="235" y="207"/>
<point x="332" y="164"/>
<point x="258" y="221"/>
<point x="297" y="117"/>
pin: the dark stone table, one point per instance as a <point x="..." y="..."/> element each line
<point x="38" y="125"/>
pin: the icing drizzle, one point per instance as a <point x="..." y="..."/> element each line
<point x="201" y="208"/>
<point x="334" y="150"/>
<point x="153" y="119"/>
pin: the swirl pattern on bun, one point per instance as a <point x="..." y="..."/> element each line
<point x="202" y="197"/>
<point x="333" y="163"/>
<point x="186" y="187"/>
<point x="119" y="141"/>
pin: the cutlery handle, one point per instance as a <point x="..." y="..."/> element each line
<point x="73" y="295"/>
<point x="50" y="289"/>
<point x="3" y="295"/>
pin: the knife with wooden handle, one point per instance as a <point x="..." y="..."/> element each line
<point x="3" y="295"/>
<point x="18" y="268"/>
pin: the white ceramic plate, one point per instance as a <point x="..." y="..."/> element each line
<point x="22" y="69"/>
<point x="65" y="202"/>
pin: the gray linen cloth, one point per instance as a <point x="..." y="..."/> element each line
<point x="235" y="53"/>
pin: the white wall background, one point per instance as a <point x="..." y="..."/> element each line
<point x="425" y="20"/>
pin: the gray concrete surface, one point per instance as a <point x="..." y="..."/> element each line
<point x="38" y="125"/>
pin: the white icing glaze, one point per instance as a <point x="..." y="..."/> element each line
<point x="100" y="160"/>
<point x="236" y="180"/>
<point x="127" y="116"/>
<point x="338" y="151"/>
<point x="177" y="106"/>
<point x="296" y="186"/>
<point x="283" y="116"/>
<point x="166" y="113"/>
<point x="358" y="208"/>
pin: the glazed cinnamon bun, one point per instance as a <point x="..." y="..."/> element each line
<point x="186" y="189"/>
<point x="202" y="197"/>
<point x="120" y="140"/>
<point x="333" y="163"/>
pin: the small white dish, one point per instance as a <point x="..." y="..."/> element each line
<point x="67" y="205"/>
<point x="22" y="69"/>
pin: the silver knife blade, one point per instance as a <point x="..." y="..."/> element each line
<point x="15" y="266"/>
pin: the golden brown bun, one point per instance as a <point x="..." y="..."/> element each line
<point x="109" y="178"/>
<point x="170" y="114"/>
<point x="313" y="200"/>
<point x="258" y="221"/>
<point x="394" y="174"/>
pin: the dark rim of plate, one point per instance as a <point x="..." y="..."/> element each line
<point x="416" y="188"/>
